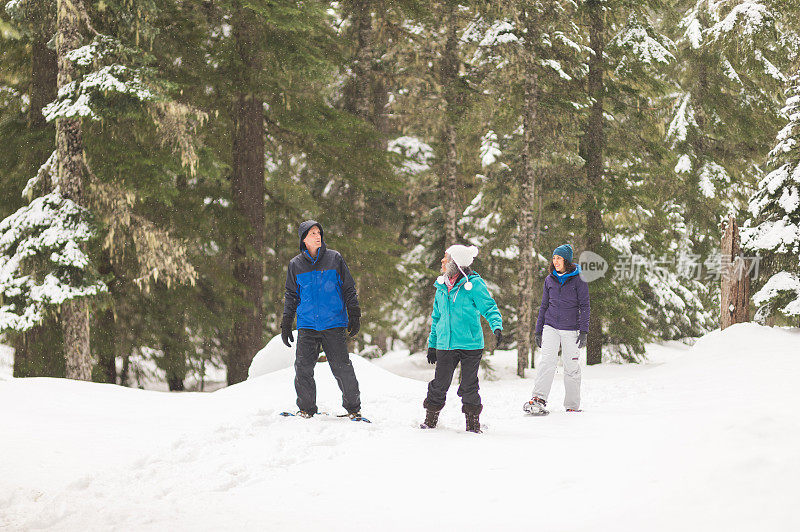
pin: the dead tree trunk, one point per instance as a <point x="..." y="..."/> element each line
<point x="69" y="145"/>
<point x="735" y="279"/>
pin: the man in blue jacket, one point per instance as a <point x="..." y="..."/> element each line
<point x="320" y="289"/>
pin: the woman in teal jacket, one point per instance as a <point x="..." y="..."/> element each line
<point x="456" y="336"/>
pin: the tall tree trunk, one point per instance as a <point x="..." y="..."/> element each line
<point x="175" y="359"/>
<point x="105" y="347"/>
<point x="248" y="190"/>
<point x="449" y="79"/>
<point x="105" y="338"/>
<point x="69" y="145"/>
<point x="359" y="105"/>
<point x="39" y="352"/>
<point x="538" y="285"/>
<point x="125" y="374"/>
<point x="527" y="235"/>
<point x="44" y="79"/>
<point x="595" y="143"/>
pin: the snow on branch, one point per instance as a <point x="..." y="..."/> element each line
<point x="417" y="154"/>
<point x="501" y="32"/>
<point x="780" y="284"/>
<point x="745" y="19"/>
<point x="684" y="118"/>
<point x="779" y="236"/>
<point x="640" y="46"/>
<point x="75" y="98"/>
<point x="41" y="261"/>
<point x="46" y="177"/>
<point x="490" y="149"/>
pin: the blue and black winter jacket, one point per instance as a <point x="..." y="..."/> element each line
<point x="320" y="290"/>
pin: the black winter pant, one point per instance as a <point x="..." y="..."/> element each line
<point x="446" y="362"/>
<point x="334" y="343"/>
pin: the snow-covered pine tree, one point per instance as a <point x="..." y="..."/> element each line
<point x="773" y="232"/>
<point x="433" y="101"/>
<point x="642" y="219"/>
<point x="526" y="62"/>
<point x="730" y="73"/>
<point x="423" y="238"/>
<point x="373" y="34"/>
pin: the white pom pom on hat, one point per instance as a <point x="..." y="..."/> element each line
<point x="463" y="257"/>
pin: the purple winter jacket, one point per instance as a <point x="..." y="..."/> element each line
<point x="564" y="307"/>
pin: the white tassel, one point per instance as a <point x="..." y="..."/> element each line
<point x="468" y="286"/>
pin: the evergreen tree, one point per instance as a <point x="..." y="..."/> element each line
<point x="625" y="168"/>
<point x="730" y="62"/>
<point x="775" y="212"/>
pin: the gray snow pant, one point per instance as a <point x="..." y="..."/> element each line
<point x="568" y="340"/>
<point x="446" y="362"/>
<point x="334" y="343"/>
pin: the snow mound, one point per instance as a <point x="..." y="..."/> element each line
<point x="274" y="356"/>
<point x="747" y="340"/>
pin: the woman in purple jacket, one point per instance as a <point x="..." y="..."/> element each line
<point x="563" y="321"/>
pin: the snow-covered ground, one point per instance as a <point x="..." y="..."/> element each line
<point x="702" y="438"/>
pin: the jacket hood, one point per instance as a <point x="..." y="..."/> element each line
<point x="304" y="228"/>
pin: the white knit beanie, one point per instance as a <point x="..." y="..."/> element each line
<point x="463" y="257"/>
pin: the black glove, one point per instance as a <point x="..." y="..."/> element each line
<point x="286" y="330"/>
<point x="498" y="336"/>
<point x="538" y="338"/>
<point x="353" y="321"/>
<point x="431" y="355"/>
<point x="581" y="340"/>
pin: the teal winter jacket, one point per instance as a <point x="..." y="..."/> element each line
<point x="457" y="314"/>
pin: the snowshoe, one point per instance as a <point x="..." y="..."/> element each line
<point x="355" y="416"/>
<point x="535" y="407"/>
<point x="299" y="413"/>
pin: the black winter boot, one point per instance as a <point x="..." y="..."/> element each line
<point x="431" y="413"/>
<point x="431" y="419"/>
<point x="473" y="415"/>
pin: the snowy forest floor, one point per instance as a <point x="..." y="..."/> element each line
<point x="701" y="438"/>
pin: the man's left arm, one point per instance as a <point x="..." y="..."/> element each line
<point x="349" y="294"/>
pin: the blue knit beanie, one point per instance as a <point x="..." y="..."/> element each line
<point x="565" y="251"/>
